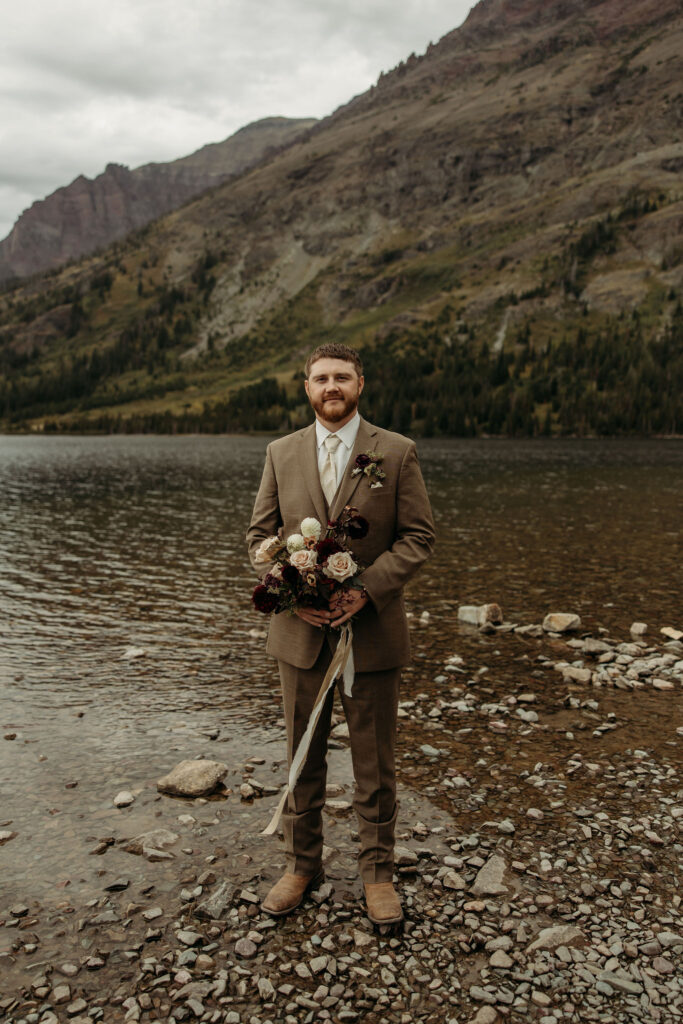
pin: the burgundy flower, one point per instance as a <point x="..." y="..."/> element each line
<point x="327" y="547"/>
<point x="263" y="600"/>
<point x="290" y="575"/>
<point x="363" y="460"/>
<point x="358" y="527"/>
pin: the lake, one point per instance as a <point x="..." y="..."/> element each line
<point x="113" y="543"/>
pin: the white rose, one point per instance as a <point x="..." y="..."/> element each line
<point x="267" y="549"/>
<point x="311" y="528"/>
<point x="340" y="566"/>
<point x="295" y="542"/>
<point x="303" y="560"/>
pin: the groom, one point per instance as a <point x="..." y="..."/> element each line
<point x="310" y="473"/>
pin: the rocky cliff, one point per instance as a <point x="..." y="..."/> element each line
<point x="90" y="214"/>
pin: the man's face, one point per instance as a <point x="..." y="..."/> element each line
<point x="333" y="388"/>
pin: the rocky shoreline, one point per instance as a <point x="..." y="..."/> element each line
<point x="539" y="860"/>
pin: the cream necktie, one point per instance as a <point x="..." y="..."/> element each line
<point x="328" y="474"/>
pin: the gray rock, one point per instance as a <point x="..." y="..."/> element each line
<point x="60" y="994"/>
<point x="621" y="984"/>
<point x="561" y="622"/>
<point x="477" y="615"/>
<point x="188" y="937"/>
<point x="638" y="629"/>
<point x="558" y="935"/>
<point x="150" y="844"/>
<point x="404" y="857"/>
<point x="193" y="778"/>
<point x="215" y="906"/>
<point x="124" y="798"/>
<point x="489" y="880"/>
<point x="246" y="949"/>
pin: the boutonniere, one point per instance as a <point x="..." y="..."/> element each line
<point x="369" y="464"/>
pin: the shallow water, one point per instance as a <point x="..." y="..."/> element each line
<point x="113" y="543"/>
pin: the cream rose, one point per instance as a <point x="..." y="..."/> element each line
<point x="311" y="529"/>
<point x="267" y="549"/>
<point x="276" y="571"/>
<point x="303" y="560"/>
<point x="340" y="566"/>
<point x="295" y="542"/>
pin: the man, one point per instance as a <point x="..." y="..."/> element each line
<point x="310" y="473"/>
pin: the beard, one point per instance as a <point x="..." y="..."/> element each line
<point x="341" y="410"/>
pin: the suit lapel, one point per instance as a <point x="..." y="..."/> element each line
<point x="311" y="473"/>
<point x="364" y="442"/>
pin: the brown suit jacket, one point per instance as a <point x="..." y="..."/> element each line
<point x="400" y="538"/>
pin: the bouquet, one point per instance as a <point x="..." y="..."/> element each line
<point x="309" y="567"/>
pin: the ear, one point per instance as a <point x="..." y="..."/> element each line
<point x="306" y="387"/>
<point x="361" y="384"/>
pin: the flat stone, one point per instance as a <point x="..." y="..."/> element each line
<point x="217" y="903"/>
<point x="662" y="966"/>
<point x="19" y="910"/>
<point x="265" y="989"/>
<point x="152" y="914"/>
<point x="621" y="984"/>
<point x="150" y="843"/>
<point x="452" y="880"/>
<point x="485" y="1015"/>
<point x="668" y="939"/>
<point x="571" y="673"/>
<point x="489" y="880"/>
<point x="672" y="634"/>
<point x="638" y="628"/>
<point x="561" y="622"/>
<point x="558" y="935"/>
<point x="501" y="959"/>
<point x="193" y="778"/>
<point x="77" y="1006"/>
<point x="6" y="835"/>
<point x="404" y="857"/>
<point x="188" y="937"/>
<point x="60" y="994"/>
<point x="481" y="995"/>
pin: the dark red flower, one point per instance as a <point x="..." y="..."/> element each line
<point x="263" y="600"/>
<point x="362" y="461"/>
<point x="327" y="547"/>
<point x="290" y="575"/>
<point x="358" y="527"/>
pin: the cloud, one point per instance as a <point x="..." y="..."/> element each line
<point x="86" y="82"/>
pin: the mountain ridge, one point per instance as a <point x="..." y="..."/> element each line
<point x="90" y="213"/>
<point x="503" y="211"/>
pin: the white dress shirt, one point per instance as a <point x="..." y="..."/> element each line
<point x="346" y="434"/>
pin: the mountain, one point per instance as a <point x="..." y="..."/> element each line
<point x="90" y="214"/>
<point x="496" y="224"/>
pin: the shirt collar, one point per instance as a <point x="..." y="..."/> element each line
<point x="347" y="434"/>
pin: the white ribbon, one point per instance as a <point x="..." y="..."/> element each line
<point x="341" y="665"/>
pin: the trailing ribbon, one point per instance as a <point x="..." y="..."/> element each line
<point x="340" y="666"/>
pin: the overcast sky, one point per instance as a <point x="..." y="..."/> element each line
<point x="86" y="82"/>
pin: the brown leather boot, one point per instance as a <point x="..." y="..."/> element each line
<point x="384" y="906"/>
<point x="287" y="894"/>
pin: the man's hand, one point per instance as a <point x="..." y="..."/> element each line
<point x="315" y="616"/>
<point x="346" y="604"/>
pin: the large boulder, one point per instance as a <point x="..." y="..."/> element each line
<point x="193" y="778"/>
